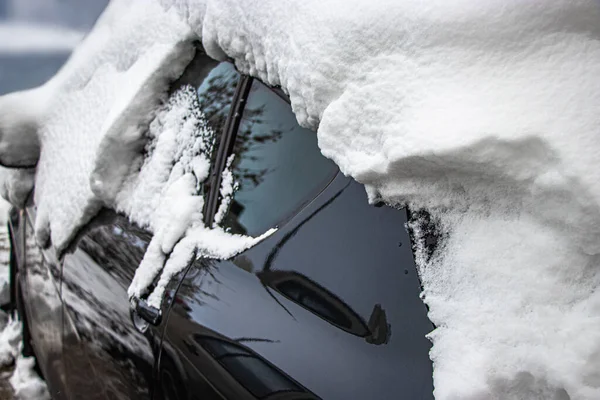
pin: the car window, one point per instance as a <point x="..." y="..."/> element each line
<point x="277" y="165"/>
<point x="215" y="83"/>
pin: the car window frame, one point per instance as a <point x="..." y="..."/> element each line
<point x="227" y="144"/>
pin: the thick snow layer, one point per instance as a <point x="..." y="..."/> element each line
<point x="19" y="37"/>
<point x="110" y="87"/>
<point x="25" y="381"/>
<point x="483" y="113"/>
<point x="10" y="337"/>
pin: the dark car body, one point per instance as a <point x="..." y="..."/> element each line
<point x="327" y="307"/>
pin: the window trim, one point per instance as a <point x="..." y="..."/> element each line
<point x="225" y="146"/>
<point x="228" y="141"/>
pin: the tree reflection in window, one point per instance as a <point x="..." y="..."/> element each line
<point x="278" y="165"/>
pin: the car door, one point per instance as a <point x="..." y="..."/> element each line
<point x="326" y="307"/>
<point x="106" y="355"/>
<point x="39" y="277"/>
<point x="111" y="352"/>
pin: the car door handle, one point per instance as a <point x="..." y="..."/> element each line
<point x="141" y="309"/>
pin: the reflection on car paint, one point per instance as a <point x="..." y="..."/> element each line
<point x="96" y="275"/>
<point x="44" y="309"/>
<point x="322" y="317"/>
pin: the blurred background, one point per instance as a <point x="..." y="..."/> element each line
<point x="36" y="38"/>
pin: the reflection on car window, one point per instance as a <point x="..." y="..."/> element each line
<point x="115" y="244"/>
<point x="215" y="83"/>
<point x="215" y="94"/>
<point x="278" y="166"/>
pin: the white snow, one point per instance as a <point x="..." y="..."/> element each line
<point x="103" y="92"/>
<point x="4" y="207"/>
<point x="21" y="37"/>
<point x="10" y="337"/>
<point x="228" y="188"/>
<point x="16" y="185"/>
<point x="166" y="196"/>
<point x="483" y="113"/>
<point x="24" y="380"/>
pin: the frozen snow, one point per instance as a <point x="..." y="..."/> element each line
<point x="483" y="113"/>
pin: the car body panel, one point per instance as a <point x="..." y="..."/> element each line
<point x="326" y="307"/>
<point x="98" y="326"/>
<point x="39" y="274"/>
<point x="298" y="303"/>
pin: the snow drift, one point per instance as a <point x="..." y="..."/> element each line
<point x="483" y="113"/>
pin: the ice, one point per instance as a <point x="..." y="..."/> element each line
<point x="484" y="114"/>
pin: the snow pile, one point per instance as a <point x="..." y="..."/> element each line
<point x="19" y="37"/>
<point x="16" y="184"/>
<point x="4" y="259"/>
<point x="165" y="196"/>
<point x="24" y="380"/>
<point x="483" y="113"/>
<point x="10" y="338"/>
<point x="110" y="87"/>
<point x="4" y="207"/>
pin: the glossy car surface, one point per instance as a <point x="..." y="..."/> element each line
<point x="327" y="307"/>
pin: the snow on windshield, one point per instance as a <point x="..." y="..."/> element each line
<point x="483" y="114"/>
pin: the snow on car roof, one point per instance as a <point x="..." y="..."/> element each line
<point x="485" y="114"/>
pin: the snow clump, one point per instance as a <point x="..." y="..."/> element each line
<point x="166" y="197"/>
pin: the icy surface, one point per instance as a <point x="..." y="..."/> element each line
<point x="483" y="113"/>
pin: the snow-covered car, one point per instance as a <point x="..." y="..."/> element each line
<point x="327" y="306"/>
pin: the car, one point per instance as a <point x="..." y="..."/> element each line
<point x="326" y="307"/>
